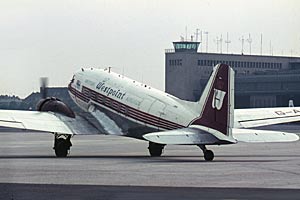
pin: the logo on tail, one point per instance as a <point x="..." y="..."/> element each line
<point x="218" y="99"/>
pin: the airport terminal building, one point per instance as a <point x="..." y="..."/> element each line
<point x="260" y="81"/>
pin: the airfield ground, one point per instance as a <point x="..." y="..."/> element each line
<point x="112" y="167"/>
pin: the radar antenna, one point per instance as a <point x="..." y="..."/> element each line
<point x="249" y="40"/>
<point x="206" y="33"/>
<point x="242" y="41"/>
<point x="227" y="41"/>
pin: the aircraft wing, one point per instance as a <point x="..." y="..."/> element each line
<point x="195" y="136"/>
<point x="45" y="122"/>
<point x="255" y="117"/>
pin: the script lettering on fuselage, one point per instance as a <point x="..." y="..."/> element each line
<point x="109" y="91"/>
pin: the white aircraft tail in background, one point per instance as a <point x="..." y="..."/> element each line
<point x="291" y="103"/>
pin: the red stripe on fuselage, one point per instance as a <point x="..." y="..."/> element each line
<point x="136" y="114"/>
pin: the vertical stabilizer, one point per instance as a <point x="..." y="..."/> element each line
<point x="217" y="101"/>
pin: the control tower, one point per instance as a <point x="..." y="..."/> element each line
<point x="186" y="46"/>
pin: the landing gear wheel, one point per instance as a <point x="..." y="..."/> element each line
<point x="155" y="149"/>
<point x="62" y="146"/>
<point x="209" y="155"/>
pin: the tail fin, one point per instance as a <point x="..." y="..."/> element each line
<point x="217" y="101"/>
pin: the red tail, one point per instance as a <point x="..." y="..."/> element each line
<point x="217" y="101"/>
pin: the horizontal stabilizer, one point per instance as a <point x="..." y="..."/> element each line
<point x="189" y="135"/>
<point x="256" y="136"/>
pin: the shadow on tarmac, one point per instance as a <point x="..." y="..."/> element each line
<point x="169" y="158"/>
<point x="103" y="192"/>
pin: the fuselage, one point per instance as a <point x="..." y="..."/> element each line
<point x="134" y="107"/>
<point x="128" y="107"/>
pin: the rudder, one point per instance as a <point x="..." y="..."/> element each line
<point x="217" y="101"/>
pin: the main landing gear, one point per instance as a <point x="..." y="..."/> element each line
<point x="208" y="154"/>
<point x="155" y="149"/>
<point x="62" y="144"/>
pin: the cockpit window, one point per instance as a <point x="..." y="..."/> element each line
<point x="73" y="78"/>
<point x="78" y="83"/>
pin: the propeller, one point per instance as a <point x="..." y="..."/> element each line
<point x="43" y="88"/>
<point x="52" y="104"/>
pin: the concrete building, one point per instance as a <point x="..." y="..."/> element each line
<point x="261" y="81"/>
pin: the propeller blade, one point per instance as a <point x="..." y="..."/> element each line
<point x="43" y="88"/>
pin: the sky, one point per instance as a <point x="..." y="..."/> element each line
<point x="54" y="38"/>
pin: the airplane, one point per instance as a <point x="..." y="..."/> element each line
<point x="129" y="108"/>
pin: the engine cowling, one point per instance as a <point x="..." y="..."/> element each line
<point x="55" y="105"/>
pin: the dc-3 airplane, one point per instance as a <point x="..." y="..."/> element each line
<point x="128" y="108"/>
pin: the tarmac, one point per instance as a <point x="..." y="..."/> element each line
<point x="113" y="167"/>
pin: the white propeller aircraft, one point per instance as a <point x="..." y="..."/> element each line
<point x="128" y="108"/>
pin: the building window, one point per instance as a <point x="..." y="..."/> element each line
<point x="177" y="62"/>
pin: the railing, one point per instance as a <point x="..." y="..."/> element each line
<point x="169" y="50"/>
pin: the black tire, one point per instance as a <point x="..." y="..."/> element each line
<point x="209" y="155"/>
<point x="155" y="150"/>
<point x="61" y="148"/>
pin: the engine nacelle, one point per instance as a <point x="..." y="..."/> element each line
<point x="55" y="105"/>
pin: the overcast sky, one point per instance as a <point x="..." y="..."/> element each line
<point x="54" y="38"/>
